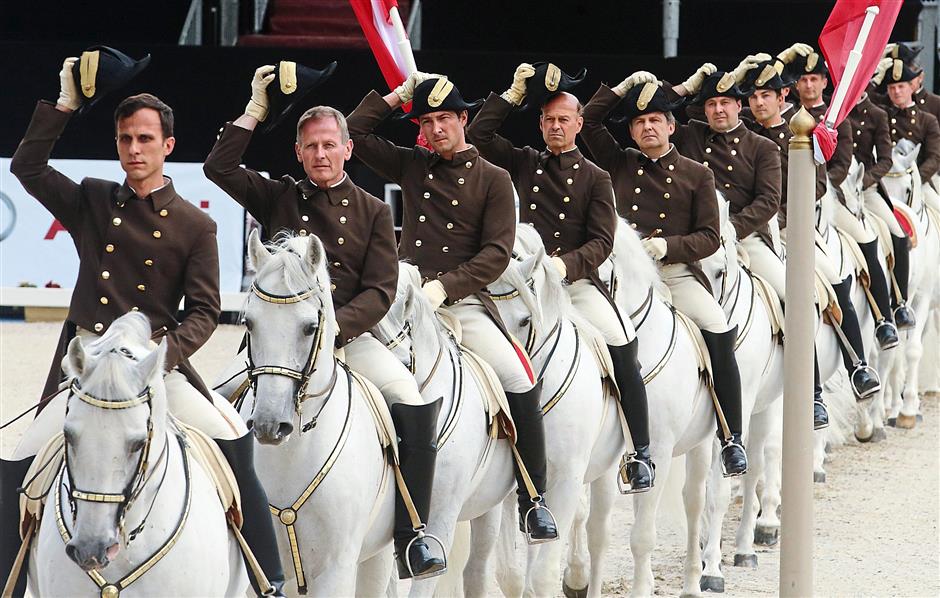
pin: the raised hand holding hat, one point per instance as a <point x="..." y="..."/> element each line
<point x="694" y="83"/>
<point x="637" y="78"/>
<point x="883" y="65"/>
<point x="68" y="91"/>
<point x="515" y="94"/>
<point x="740" y="72"/>
<point x="797" y="49"/>
<point x="406" y="90"/>
<point x="258" y="104"/>
<point x="655" y="247"/>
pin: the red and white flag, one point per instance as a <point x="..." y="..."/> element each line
<point x="836" y="42"/>
<point x="375" y="18"/>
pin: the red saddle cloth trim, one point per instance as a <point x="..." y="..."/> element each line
<point x="907" y="225"/>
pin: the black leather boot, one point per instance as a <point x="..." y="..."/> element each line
<point x="903" y="315"/>
<point x="416" y="426"/>
<point x="12" y="474"/>
<point x="535" y="520"/>
<point x="258" y="526"/>
<point x="864" y="379"/>
<point x="885" y="331"/>
<point x="640" y="470"/>
<point x="820" y="413"/>
<point x="727" y="380"/>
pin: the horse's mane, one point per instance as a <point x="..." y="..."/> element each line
<point x="554" y="296"/>
<point x="288" y="253"/>
<point x="634" y="265"/>
<point x="108" y="371"/>
<point x="409" y="279"/>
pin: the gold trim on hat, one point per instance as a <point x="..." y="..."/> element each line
<point x="811" y="61"/>
<point x="287" y="76"/>
<point x="552" y="77"/>
<point x="778" y="66"/>
<point x="439" y="92"/>
<point x="88" y="71"/>
<point x="766" y="75"/>
<point x="725" y="83"/>
<point x="896" y="51"/>
<point x="897" y="69"/>
<point x="646" y="94"/>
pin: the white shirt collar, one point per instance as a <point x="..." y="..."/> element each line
<point x="669" y="151"/>
<point x="336" y="184"/>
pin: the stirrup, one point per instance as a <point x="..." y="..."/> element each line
<point x="420" y="534"/>
<point x="623" y="483"/>
<point x="726" y="445"/>
<point x="537" y="504"/>
<point x="874" y="374"/>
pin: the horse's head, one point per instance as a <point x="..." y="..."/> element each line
<point x="902" y="183"/>
<point x="409" y="328"/>
<point x="290" y="321"/>
<point x="721" y="267"/>
<point x="115" y="424"/>
<point x="851" y="187"/>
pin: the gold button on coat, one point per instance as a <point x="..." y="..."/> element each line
<point x="450" y="225"/>
<point x="569" y="181"/>
<point x="576" y="166"/>
<point x="342" y="220"/>
<point x="305" y="218"/>
<point x="141" y="287"/>
<point x="460" y="181"/>
<point x="106" y="275"/>
<point x="341" y="240"/>
<point x="421" y="218"/>
<point x="148" y="262"/>
<point x="116" y="221"/>
<point x="109" y="248"/>
<point x="99" y="326"/>
<point x="345" y="201"/>
<point x="157" y="234"/>
<point x="104" y="300"/>
<point x="535" y="188"/>
<point x="164" y="213"/>
<point x="418" y="243"/>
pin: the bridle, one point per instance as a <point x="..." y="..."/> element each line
<point x="530" y="339"/>
<point x="398" y="339"/>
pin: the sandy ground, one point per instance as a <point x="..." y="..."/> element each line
<point x="876" y="518"/>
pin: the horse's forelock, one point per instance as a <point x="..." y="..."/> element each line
<point x="288" y="254"/>
<point x="634" y="265"/>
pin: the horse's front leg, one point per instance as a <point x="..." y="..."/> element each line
<point x="484" y="531"/>
<point x="717" y="498"/>
<point x="698" y="462"/>
<point x="643" y="534"/>
<point x="603" y="495"/>
<point x="543" y="570"/>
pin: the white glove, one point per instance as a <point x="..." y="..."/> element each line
<point x="68" y="91"/>
<point x="406" y="90"/>
<point x="694" y="83"/>
<point x="883" y="65"/>
<point x="797" y="49"/>
<point x="655" y="247"/>
<point x="258" y="104"/>
<point x="516" y="92"/>
<point x="434" y="291"/>
<point x="740" y="72"/>
<point x="637" y="78"/>
<point x="890" y="49"/>
<point x="560" y="266"/>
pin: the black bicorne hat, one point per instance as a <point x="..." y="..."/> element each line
<point x="547" y="81"/>
<point x="904" y="52"/>
<point x="101" y="70"/>
<point x="438" y="94"/>
<point x="292" y="82"/>
<point x="811" y="64"/>
<point x="766" y="76"/>
<point x="720" y="84"/>
<point x="899" y="72"/>
<point x="643" y="99"/>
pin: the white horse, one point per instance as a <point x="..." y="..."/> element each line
<point x="907" y="193"/>
<point x="584" y="436"/>
<point x="681" y="412"/>
<point x="760" y="362"/>
<point x="870" y="421"/>
<point x="473" y="473"/>
<point x="326" y="474"/>
<point x="129" y="512"/>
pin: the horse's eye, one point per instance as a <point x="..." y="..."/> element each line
<point x="310" y="328"/>
<point x="525" y="321"/>
<point x="126" y="352"/>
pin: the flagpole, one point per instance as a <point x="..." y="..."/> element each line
<point x="404" y="44"/>
<point x="851" y="65"/>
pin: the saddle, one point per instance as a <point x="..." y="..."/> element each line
<point x="771" y="301"/>
<point x="384" y="426"/>
<point x="826" y="299"/>
<point x="494" y="399"/>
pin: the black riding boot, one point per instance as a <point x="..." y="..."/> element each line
<point x="416" y="426"/>
<point x="864" y="379"/>
<point x="639" y="466"/>
<point x="885" y="331"/>
<point x="727" y="381"/>
<point x="820" y="413"/>
<point x="257" y="525"/>
<point x="903" y="315"/>
<point x="12" y="474"/>
<point x="535" y="520"/>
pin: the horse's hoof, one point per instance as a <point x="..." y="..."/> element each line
<point x="864" y="439"/>
<point x="919" y="417"/>
<point x="712" y="583"/>
<point x="819" y="477"/>
<point x="766" y="536"/>
<point x="745" y="560"/>
<point x="878" y="434"/>
<point x="828" y="447"/>
<point x="892" y="422"/>
<point x="907" y="422"/>
<point x="573" y="593"/>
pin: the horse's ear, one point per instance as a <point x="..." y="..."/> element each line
<point x="912" y="157"/>
<point x="530" y="263"/>
<point x="257" y="252"/>
<point x="408" y="304"/>
<point x="314" y="253"/>
<point x="153" y="364"/>
<point x="75" y="357"/>
<point x="860" y="174"/>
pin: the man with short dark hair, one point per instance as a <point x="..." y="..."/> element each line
<point x="570" y="202"/>
<point x="356" y="231"/>
<point x="141" y="247"/>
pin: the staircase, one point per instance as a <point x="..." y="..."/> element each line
<point x="312" y="24"/>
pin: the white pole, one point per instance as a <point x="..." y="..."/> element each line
<point x="838" y="98"/>
<point x="404" y="44"/>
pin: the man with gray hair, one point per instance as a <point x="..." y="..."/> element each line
<point x="357" y="233"/>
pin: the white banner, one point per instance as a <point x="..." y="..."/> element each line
<point x="34" y="251"/>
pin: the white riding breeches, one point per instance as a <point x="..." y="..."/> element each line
<point x="367" y="356"/>
<point x="483" y="337"/>
<point x="588" y="300"/>
<point x="823" y="262"/>
<point x="848" y="223"/>
<point x="879" y="207"/>
<point x="691" y="298"/>
<point x="765" y="263"/>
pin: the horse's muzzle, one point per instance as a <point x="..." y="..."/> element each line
<point x="92" y="556"/>
<point x="271" y="432"/>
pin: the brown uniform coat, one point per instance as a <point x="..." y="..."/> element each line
<point x="871" y="140"/>
<point x="928" y="101"/>
<point x="135" y="254"/>
<point x="459" y="220"/>
<point x="567" y="198"/>
<point x="355" y="229"/>
<point x="673" y="195"/>
<point x="838" y="165"/>
<point x="920" y="127"/>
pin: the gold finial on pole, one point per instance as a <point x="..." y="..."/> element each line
<point x="801" y="125"/>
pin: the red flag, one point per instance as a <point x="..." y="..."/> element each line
<point x="837" y="40"/>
